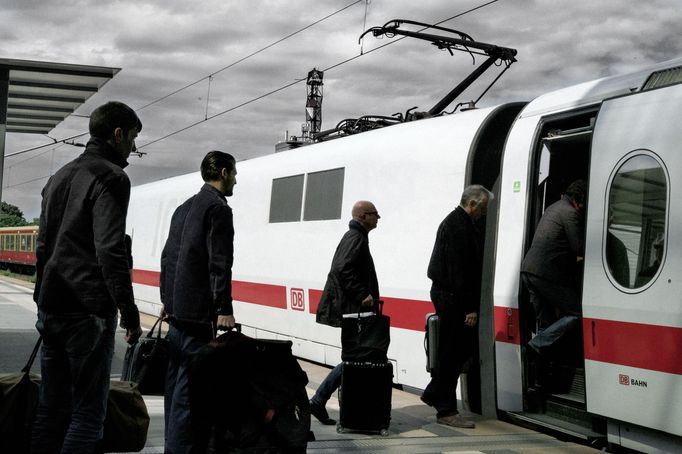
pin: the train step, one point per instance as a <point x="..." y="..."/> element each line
<point x="549" y="422"/>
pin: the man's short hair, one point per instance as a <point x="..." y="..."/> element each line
<point x="475" y="192"/>
<point x="107" y="117"/>
<point x="214" y="162"/>
<point x="577" y="191"/>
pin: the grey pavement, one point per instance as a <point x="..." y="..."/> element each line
<point x="413" y="425"/>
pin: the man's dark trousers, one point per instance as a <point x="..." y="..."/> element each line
<point x="76" y="364"/>
<point x="454" y="348"/>
<point x="185" y="432"/>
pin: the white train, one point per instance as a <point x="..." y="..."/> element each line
<point x="621" y="133"/>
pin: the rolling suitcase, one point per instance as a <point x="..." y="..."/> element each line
<point x="431" y="340"/>
<point x="365" y="397"/>
<point x="146" y="362"/>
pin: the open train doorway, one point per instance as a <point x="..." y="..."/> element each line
<point x="554" y="382"/>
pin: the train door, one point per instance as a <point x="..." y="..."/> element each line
<point x="554" y="385"/>
<point x="632" y="310"/>
<point x="483" y="167"/>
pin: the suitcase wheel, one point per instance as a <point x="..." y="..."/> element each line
<point x="339" y="429"/>
<point x="384" y="432"/>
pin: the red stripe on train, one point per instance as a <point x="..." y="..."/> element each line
<point x="507" y="325"/>
<point x="145" y="277"/>
<point x="261" y="294"/>
<point x="404" y="313"/>
<point x="249" y="292"/>
<point x="651" y="347"/>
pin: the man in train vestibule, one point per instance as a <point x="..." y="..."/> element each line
<point x="455" y="272"/>
<point x="552" y="268"/>
<point x="353" y="276"/>
<point x="196" y="291"/>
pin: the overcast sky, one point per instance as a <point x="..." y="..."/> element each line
<point x="163" y="45"/>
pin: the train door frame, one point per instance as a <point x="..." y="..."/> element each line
<point x="561" y="154"/>
<point x="484" y="164"/>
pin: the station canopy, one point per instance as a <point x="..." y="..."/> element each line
<point x="39" y="95"/>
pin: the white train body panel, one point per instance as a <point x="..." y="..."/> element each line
<point x="636" y="379"/>
<point x="274" y="258"/>
<point x="414" y="173"/>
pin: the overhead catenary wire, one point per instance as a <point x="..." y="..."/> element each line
<point x="209" y="77"/>
<point x="271" y="92"/>
<point x="329" y="68"/>
<point x="252" y="54"/>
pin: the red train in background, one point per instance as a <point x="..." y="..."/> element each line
<point x="18" y="248"/>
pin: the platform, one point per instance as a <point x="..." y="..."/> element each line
<point x="413" y="425"/>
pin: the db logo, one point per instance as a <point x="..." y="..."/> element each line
<point x="297" y="299"/>
<point x="624" y="379"/>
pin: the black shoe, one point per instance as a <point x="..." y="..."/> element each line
<point x="321" y="414"/>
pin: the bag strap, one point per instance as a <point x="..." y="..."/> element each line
<point x="159" y="321"/>
<point x="32" y="358"/>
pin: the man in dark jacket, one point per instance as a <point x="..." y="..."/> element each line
<point x="455" y="272"/>
<point x="196" y="291"/>
<point x="551" y="270"/>
<point x="353" y="278"/>
<point x="82" y="281"/>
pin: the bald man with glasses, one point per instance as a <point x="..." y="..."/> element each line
<point x="352" y="275"/>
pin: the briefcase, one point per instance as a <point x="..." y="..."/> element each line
<point x="146" y="362"/>
<point x="431" y="340"/>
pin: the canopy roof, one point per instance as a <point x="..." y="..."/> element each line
<point x="41" y="94"/>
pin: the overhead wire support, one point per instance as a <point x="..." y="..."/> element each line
<point x="461" y="42"/>
<point x="329" y="68"/>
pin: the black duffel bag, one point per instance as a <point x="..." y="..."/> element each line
<point x="253" y="394"/>
<point x="365" y="336"/>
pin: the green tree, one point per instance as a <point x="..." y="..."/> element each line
<point x="11" y="215"/>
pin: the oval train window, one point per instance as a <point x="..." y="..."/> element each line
<point x="635" y="235"/>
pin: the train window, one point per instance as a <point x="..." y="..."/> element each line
<point x="323" y="195"/>
<point x="635" y="236"/>
<point x="286" y="199"/>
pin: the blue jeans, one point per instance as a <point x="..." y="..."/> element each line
<point x="330" y="384"/>
<point x="184" y="432"/>
<point x="557" y="310"/>
<point x="75" y="364"/>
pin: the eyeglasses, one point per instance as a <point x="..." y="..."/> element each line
<point x="375" y="213"/>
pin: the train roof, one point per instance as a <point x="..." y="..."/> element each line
<point x="595" y="91"/>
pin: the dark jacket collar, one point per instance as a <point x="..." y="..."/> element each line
<point x="353" y="224"/>
<point x="462" y="212"/>
<point x="209" y="188"/>
<point x="101" y="148"/>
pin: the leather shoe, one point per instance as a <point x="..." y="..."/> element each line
<point x="321" y="414"/>
<point x="456" y="421"/>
